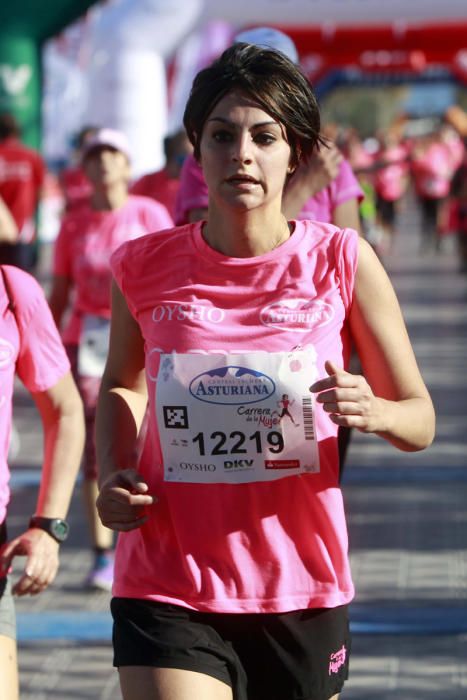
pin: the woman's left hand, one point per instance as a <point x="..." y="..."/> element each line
<point x="349" y="400"/>
<point x="40" y="569"/>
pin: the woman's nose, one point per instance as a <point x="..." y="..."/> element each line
<point x="241" y="149"/>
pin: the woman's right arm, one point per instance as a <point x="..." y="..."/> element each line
<point x="120" y="411"/>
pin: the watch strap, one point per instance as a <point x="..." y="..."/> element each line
<point x="55" y="527"/>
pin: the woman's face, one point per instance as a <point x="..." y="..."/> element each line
<point x="244" y="154"/>
<point x="105" y="166"/>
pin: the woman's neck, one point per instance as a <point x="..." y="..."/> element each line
<point x="109" y="198"/>
<point x="247" y="235"/>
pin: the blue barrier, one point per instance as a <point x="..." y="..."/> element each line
<point x="364" y="620"/>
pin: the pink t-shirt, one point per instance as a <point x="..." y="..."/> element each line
<point x="86" y="241"/>
<point x="272" y="546"/>
<point x="432" y="170"/>
<point x="390" y="178"/>
<point x="193" y="193"/>
<point x="30" y="346"/>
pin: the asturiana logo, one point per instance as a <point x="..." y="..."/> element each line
<point x="232" y="385"/>
<point x="297" y="314"/>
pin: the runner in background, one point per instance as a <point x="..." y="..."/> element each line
<point x="458" y="211"/>
<point x="232" y="576"/>
<point x="74" y="184"/>
<point x="22" y="173"/>
<point x="391" y="178"/>
<point x="163" y="185"/>
<point x="32" y="349"/>
<point x="362" y="163"/>
<point x="80" y="296"/>
<point x="433" y="163"/>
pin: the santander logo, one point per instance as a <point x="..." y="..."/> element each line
<point x="297" y="314"/>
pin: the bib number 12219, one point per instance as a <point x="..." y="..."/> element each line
<point x="236" y="442"/>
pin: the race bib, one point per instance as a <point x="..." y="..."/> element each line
<point x="93" y="346"/>
<point x="236" y="418"/>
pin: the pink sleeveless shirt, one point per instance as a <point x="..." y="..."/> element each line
<point x="272" y="545"/>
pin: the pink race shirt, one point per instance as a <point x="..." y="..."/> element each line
<point x="390" y="178"/>
<point x="279" y="542"/>
<point x="84" y="245"/>
<point x="193" y="193"/>
<point x="30" y="346"/>
<point x="432" y="171"/>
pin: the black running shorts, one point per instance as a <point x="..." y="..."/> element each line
<point x="299" y="655"/>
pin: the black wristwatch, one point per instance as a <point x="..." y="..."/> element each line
<point x="56" y="527"/>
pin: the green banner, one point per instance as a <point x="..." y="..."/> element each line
<point x="20" y="84"/>
<point x="24" y="26"/>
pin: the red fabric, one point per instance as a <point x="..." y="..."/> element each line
<point x="160" y="187"/>
<point x="75" y="186"/>
<point x="22" y="173"/>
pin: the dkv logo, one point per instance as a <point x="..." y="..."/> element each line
<point x="297" y="314"/>
<point x="15" y="78"/>
<point x="232" y="385"/>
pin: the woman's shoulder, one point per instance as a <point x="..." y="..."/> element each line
<point x="150" y="210"/>
<point x="23" y="290"/>
<point x="141" y="201"/>
<point x="321" y="231"/>
<point x="156" y="244"/>
<point x="328" y="237"/>
<point x="20" y="281"/>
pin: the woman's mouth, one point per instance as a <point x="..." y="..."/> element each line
<point x="242" y="181"/>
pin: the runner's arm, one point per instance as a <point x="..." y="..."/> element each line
<point x="120" y="412"/>
<point x="123" y="395"/>
<point x="311" y="176"/>
<point x="61" y="412"/>
<point x="391" y="398"/>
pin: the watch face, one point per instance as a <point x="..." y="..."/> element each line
<point x="60" y="529"/>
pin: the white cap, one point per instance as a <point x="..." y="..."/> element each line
<point x="269" y="38"/>
<point x="107" y="137"/>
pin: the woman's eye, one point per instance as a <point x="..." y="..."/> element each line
<point x="222" y="136"/>
<point x="265" y="138"/>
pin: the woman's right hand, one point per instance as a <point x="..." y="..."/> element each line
<point x="123" y="500"/>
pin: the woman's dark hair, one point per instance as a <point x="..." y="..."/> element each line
<point x="272" y="81"/>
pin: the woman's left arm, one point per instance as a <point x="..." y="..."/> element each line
<point x="61" y="412"/>
<point x="391" y="399"/>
